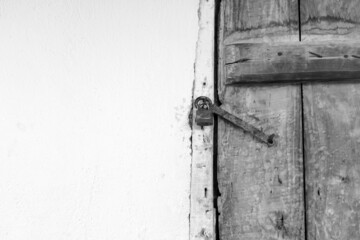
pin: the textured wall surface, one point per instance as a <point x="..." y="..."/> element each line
<point x="94" y="134"/>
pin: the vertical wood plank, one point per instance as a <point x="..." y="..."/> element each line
<point x="332" y="129"/>
<point x="261" y="188"/>
<point x="332" y="143"/>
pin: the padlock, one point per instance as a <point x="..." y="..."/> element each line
<point x="204" y="117"/>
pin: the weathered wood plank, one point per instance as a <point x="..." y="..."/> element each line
<point x="332" y="140"/>
<point x="331" y="121"/>
<point x="329" y="19"/>
<point x="249" y="19"/>
<point x="261" y="187"/>
<point x="292" y="62"/>
<point x="255" y="21"/>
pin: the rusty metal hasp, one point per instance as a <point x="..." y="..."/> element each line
<point x="204" y="117"/>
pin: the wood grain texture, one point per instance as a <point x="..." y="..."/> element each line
<point x="261" y="187"/>
<point x="332" y="143"/>
<point x="330" y="17"/>
<point x="248" y="19"/>
<point x="292" y="62"/>
<point x="255" y="21"/>
<point x="331" y="120"/>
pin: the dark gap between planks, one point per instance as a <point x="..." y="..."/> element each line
<point x="216" y="190"/>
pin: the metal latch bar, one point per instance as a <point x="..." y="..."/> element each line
<point x="206" y="103"/>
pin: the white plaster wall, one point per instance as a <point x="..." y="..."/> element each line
<point x="94" y="135"/>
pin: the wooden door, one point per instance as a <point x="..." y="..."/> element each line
<point x="307" y="186"/>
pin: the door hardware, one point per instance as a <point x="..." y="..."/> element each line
<point x="204" y="117"/>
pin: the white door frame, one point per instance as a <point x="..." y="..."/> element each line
<point x="202" y="212"/>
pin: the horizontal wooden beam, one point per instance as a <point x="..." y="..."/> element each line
<point x="292" y="63"/>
